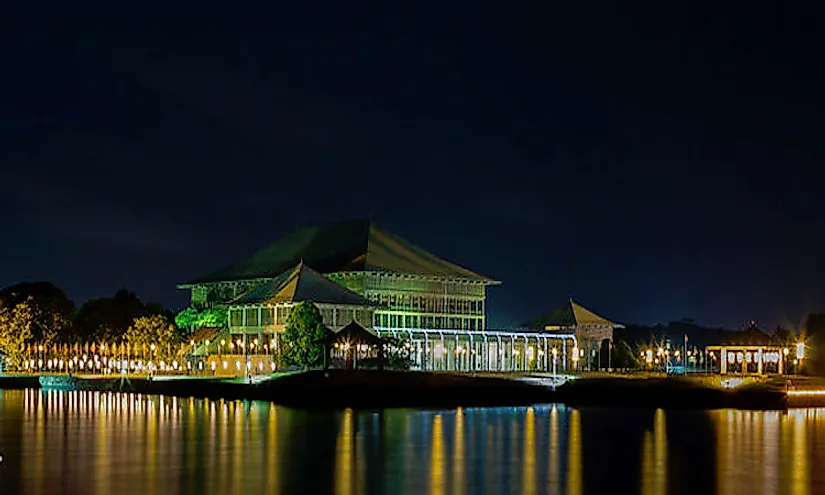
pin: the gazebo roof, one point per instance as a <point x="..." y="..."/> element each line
<point x="298" y="284"/>
<point x="353" y="333"/>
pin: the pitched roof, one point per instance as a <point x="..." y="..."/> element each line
<point x="353" y="333"/>
<point x="569" y="314"/>
<point x="750" y="336"/>
<point x="358" y="245"/>
<point x="301" y="283"/>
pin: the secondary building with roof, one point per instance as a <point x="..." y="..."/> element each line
<point x="589" y="328"/>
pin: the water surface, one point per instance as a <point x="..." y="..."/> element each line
<point x="102" y="443"/>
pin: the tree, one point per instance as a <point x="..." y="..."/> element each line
<point x="156" y="330"/>
<point x="192" y="318"/>
<point x="15" y="330"/>
<point x="623" y="356"/>
<point x="109" y="317"/>
<point x="304" y="327"/>
<point x="50" y="307"/>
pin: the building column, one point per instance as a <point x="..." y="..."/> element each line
<point x="781" y="362"/>
<point x="723" y="364"/>
<point x="564" y="354"/>
<point x="759" y="355"/>
<point x="546" y="354"/>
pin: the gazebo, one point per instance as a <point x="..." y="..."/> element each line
<point x="353" y="340"/>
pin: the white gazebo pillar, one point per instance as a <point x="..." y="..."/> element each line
<point x="759" y="356"/>
<point x="723" y="363"/>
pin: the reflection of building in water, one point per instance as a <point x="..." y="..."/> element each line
<point x="528" y="458"/>
<point x="764" y="451"/>
<point x="574" y="454"/>
<point x="438" y="482"/>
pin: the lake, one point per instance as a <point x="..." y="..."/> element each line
<point x="90" y="443"/>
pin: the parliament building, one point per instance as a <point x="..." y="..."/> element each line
<point x="356" y="271"/>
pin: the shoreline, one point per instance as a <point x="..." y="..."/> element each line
<point x="338" y="389"/>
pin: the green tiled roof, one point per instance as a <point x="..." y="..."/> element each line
<point x="357" y="245"/>
<point x="298" y="284"/>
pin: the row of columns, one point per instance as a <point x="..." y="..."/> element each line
<point x="439" y="351"/>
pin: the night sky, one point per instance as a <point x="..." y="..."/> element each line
<point x="653" y="164"/>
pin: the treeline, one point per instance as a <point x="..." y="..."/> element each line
<point x="44" y="314"/>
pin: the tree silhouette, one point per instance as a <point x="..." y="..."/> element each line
<point x="304" y="327"/>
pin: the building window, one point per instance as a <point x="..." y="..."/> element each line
<point x="236" y="317"/>
<point x="283" y="314"/>
<point x="252" y="317"/>
<point x="267" y="316"/>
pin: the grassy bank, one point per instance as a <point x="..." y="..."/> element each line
<point x="385" y="389"/>
<point x="671" y="393"/>
<point x="362" y="389"/>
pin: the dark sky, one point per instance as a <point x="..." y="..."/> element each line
<point x="654" y="164"/>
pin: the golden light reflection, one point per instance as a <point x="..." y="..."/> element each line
<point x="800" y="482"/>
<point x="152" y="423"/>
<point x="437" y="461"/>
<point x="574" y="454"/>
<point x="102" y="473"/>
<point x="85" y="440"/>
<point x="553" y="478"/>
<point x="659" y="452"/>
<point x="271" y="468"/>
<point x="459" y="485"/>
<point x="238" y="443"/>
<point x="345" y="455"/>
<point x="528" y="462"/>
<point x="770" y="447"/>
<point x="647" y="463"/>
<point x="40" y="435"/>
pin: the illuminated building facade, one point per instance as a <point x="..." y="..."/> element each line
<point x="356" y="271"/>
<point x="411" y="287"/>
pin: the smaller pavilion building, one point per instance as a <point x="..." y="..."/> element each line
<point x="589" y="328"/>
<point x="352" y="344"/>
<point x="258" y="318"/>
<point x="753" y="351"/>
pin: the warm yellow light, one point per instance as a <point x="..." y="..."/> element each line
<point x="191" y="342"/>
<point x="255" y="341"/>
<point x="785" y="351"/>
<point x="223" y="342"/>
<point x="800" y="350"/>
<point x="152" y="347"/>
<point x="40" y="348"/>
<point x="238" y="341"/>
<point x="207" y="343"/>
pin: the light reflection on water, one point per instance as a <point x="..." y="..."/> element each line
<point x="103" y="443"/>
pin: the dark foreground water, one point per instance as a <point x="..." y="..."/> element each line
<point x="106" y="443"/>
